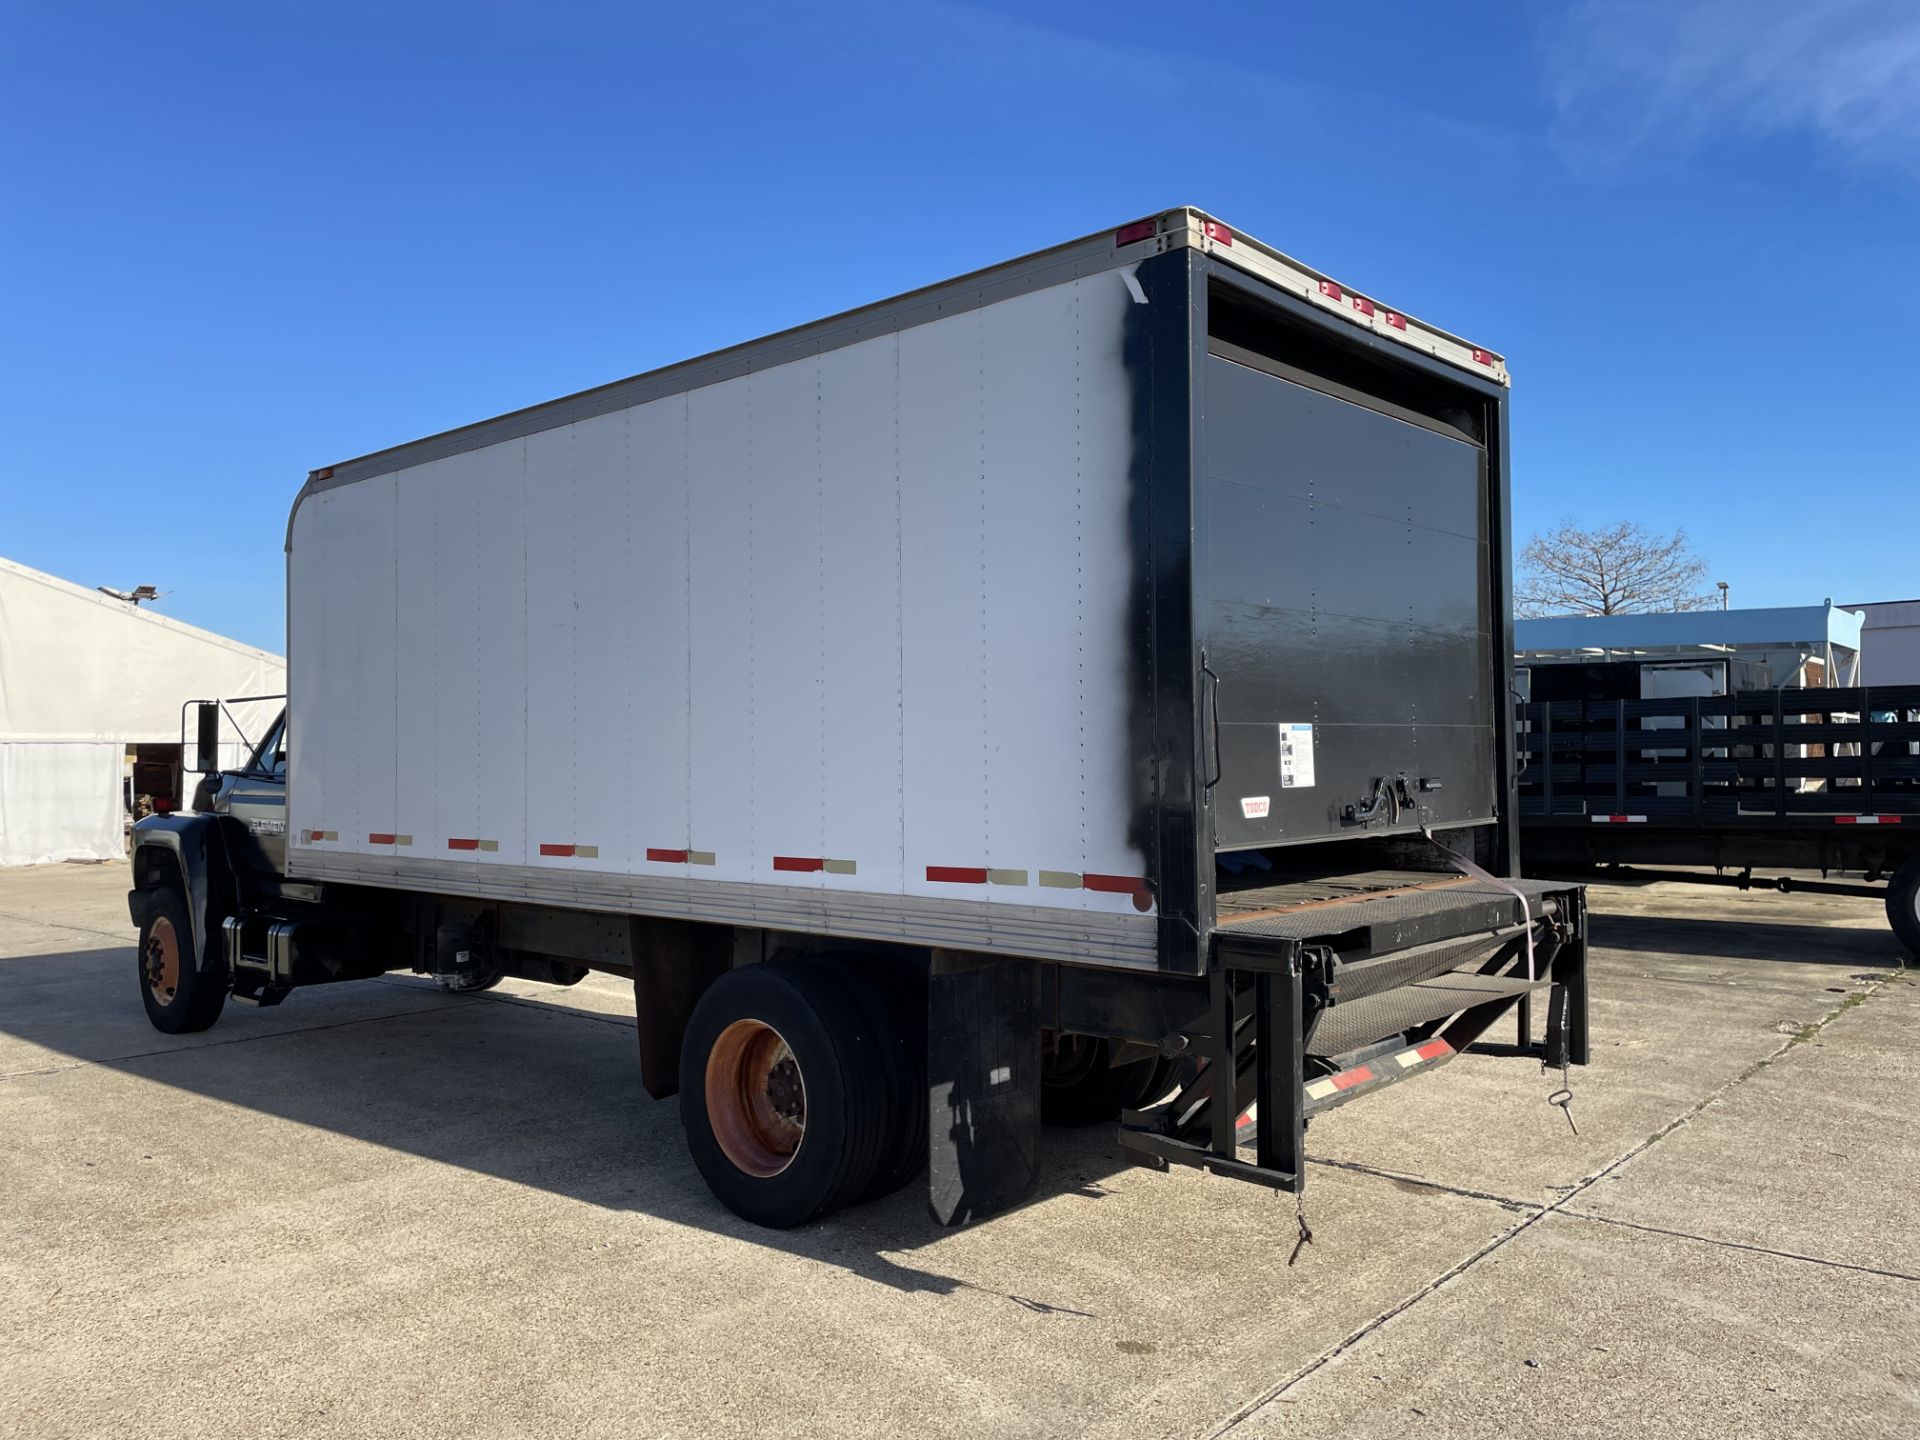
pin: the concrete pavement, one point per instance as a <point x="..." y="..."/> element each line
<point x="379" y="1210"/>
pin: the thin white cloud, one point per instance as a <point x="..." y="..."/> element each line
<point x="1628" y="75"/>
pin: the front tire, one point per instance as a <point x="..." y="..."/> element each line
<point x="1903" y="905"/>
<point x="181" y="997"/>
<point x="786" y="1092"/>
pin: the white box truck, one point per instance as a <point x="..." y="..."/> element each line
<point x="1074" y="691"/>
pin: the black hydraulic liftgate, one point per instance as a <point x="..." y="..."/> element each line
<point x="1317" y="1001"/>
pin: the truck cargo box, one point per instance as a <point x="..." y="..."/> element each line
<point x="1074" y="693"/>
<point x="989" y="617"/>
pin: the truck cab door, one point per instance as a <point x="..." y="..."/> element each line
<point x="256" y="796"/>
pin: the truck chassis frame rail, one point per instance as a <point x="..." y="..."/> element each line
<point x="1313" y="1003"/>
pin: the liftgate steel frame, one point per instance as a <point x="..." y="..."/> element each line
<point x="1266" y="998"/>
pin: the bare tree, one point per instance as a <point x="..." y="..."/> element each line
<point x="1617" y="570"/>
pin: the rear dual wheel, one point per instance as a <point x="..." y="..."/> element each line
<point x="801" y="1091"/>
<point x="1080" y="1084"/>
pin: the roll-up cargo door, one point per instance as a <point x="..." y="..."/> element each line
<point x="1347" y="618"/>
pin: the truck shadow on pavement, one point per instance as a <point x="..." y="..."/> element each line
<point x="537" y="1093"/>
<point x="1802" y="944"/>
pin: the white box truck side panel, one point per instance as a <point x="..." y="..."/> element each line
<point x="498" y="651"/>
<point x="412" y="813"/>
<point x="719" y="467"/>
<point x="852" y="625"/>
<point x="861" y="737"/>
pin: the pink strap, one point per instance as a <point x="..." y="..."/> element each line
<point x="1467" y="867"/>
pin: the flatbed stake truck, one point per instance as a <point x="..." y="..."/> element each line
<point x="1024" y="699"/>
<point x="1817" y="778"/>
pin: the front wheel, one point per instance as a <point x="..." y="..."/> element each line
<point x="1903" y="905"/>
<point x="180" y="996"/>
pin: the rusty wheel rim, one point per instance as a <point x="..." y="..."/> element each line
<point x="756" y="1098"/>
<point x="160" y="961"/>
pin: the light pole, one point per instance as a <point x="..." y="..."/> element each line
<point x="1723" y="593"/>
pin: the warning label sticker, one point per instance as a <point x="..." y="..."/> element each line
<point x="1255" y="807"/>
<point x="1296" y="757"/>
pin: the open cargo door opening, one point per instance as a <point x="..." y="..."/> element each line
<point x="1348" y="622"/>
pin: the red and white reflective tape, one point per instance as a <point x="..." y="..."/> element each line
<point x="814" y="864"/>
<point x="388" y="837"/>
<point x="1330" y="1085"/>
<point x="1422" y="1054"/>
<point x="1618" y="819"/>
<point x="1132" y="885"/>
<point x="1333" y="1084"/>
<point x="571" y="851"/>
<point x="659" y="856"/>
<point x="471" y="843"/>
<point x="315" y="837"/>
<point x="1868" y="819"/>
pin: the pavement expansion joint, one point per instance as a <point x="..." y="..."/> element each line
<point x="1554" y="1207"/>
<point x="1740" y="1245"/>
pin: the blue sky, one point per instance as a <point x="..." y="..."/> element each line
<point x="240" y="242"/>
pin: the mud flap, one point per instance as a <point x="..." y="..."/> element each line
<point x="983" y="1084"/>
<point x="674" y="961"/>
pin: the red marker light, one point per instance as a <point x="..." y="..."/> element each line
<point x="1331" y="290"/>
<point x="1216" y="232"/>
<point x="1138" y="230"/>
<point x="1396" y="320"/>
<point x="326" y="474"/>
<point x="1363" y="305"/>
<point x="1484" y="357"/>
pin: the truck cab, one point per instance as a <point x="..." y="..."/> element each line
<point x="218" y="915"/>
<point x="255" y="796"/>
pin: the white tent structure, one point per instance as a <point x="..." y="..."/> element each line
<point x="83" y="677"/>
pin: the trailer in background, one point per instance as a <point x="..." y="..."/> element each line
<point x="1825" y="779"/>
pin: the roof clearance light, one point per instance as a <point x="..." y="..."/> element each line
<point x="1330" y="290"/>
<point x="1138" y="230"/>
<point x="1363" y="305"/>
<point x="1218" y="233"/>
<point x="1396" y="320"/>
<point x="1484" y="357"/>
<point x="326" y="474"/>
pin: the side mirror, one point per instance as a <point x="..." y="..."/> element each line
<point x="206" y="750"/>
